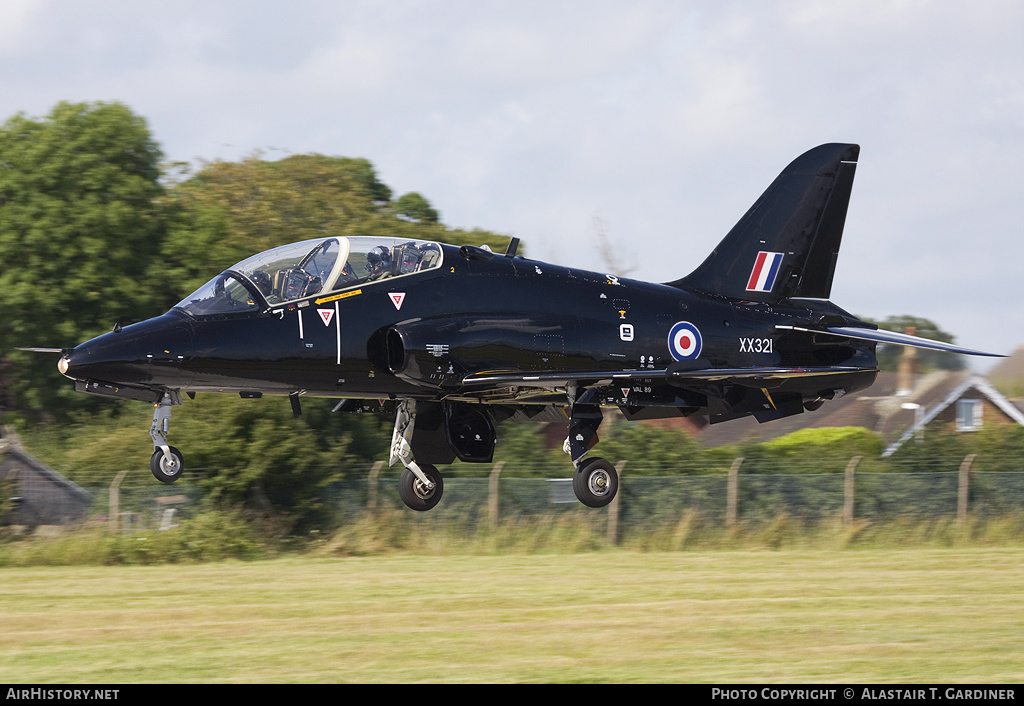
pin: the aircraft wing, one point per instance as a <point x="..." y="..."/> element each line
<point x="900" y="339"/>
<point x="565" y="377"/>
<point x="557" y="378"/>
<point x="757" y="374"/>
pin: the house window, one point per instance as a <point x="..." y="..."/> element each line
<point x="968" y="415"/>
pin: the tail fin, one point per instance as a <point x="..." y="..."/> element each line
<point x="787" y="244"/>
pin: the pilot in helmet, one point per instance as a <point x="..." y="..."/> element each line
<point x="378" y="261"/>
<point x="262" y="281"/>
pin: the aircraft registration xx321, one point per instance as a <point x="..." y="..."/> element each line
<point x="452" y="340"/>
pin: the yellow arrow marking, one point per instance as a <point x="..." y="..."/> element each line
<point x="335" y="297"/>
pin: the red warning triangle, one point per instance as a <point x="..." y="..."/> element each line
<point x="326" y="315"/>
<point x="397" y="298"/>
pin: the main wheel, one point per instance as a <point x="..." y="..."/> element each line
<point x="415" y="494"/>
<point x="167" y="469"/>
<point x="595" y="482"/>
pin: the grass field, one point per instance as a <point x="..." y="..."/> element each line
<point x="930" y="615"/>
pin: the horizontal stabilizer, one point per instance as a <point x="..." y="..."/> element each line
<point x="899" y="339"/>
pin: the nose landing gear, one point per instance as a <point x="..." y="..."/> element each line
<point x="166" y="462"/>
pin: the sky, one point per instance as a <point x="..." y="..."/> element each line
<point x="654" y="124"/>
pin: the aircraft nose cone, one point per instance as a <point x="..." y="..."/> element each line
<point x="104" y="358"/>
<point x="149" y="353"/>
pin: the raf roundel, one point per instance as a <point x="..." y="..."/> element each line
<point x="684" y="341"/>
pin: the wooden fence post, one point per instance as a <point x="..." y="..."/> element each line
<point x="963" y="487"/>
<point x="851" y="468"/>
<point x="492" y="493"/>
<point x="114" y="500"/>
<point x="371" y="491"/>
<point x="613" y="507"/>
<point x="732" y="491"/>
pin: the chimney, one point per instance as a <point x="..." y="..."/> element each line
<point x="906" y="372"/>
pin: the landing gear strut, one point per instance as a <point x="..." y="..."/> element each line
<point x="166" y="463"/>
<point x="419" y="486"/>
<point x="595" y="481"/>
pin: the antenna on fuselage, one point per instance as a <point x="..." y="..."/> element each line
<point x="513" y="245"/>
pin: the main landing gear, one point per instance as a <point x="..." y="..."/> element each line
<point x="420" y="487"/>
<point x="166" y="463"/>
<point x="595" y="481"/>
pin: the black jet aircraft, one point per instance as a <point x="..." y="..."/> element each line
<point x="452" y="340"/>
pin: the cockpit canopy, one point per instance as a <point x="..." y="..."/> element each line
<point x="309" y="268"/>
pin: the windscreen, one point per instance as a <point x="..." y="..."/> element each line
<point x="292" y="271"/>
<point x="224" y="294"/>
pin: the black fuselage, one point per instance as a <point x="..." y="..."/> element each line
<point x="419" y="336"/>
<point x="452" y="339"/>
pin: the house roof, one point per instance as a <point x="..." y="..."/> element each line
<point x="972" y="382"/>
<point x="14" y="452"/>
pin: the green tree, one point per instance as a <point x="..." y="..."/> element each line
<point x="812" y="450"/>
<point x="252" y="455"/>
<point x="889" y="356"/>
<point x="230" y="210"/>
<point x="80" y="222"/>
<point x="259" y="456"/>
<point x="651" y="449"/>
<point x="414" y="206"/>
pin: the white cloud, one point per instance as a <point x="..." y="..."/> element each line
<point x="666" y="119"/>
<point x="15" y="18"/>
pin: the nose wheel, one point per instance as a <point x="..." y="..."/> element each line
<point x="167" y="467"/>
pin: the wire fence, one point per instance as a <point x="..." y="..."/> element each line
<point x="748" y="493"/>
